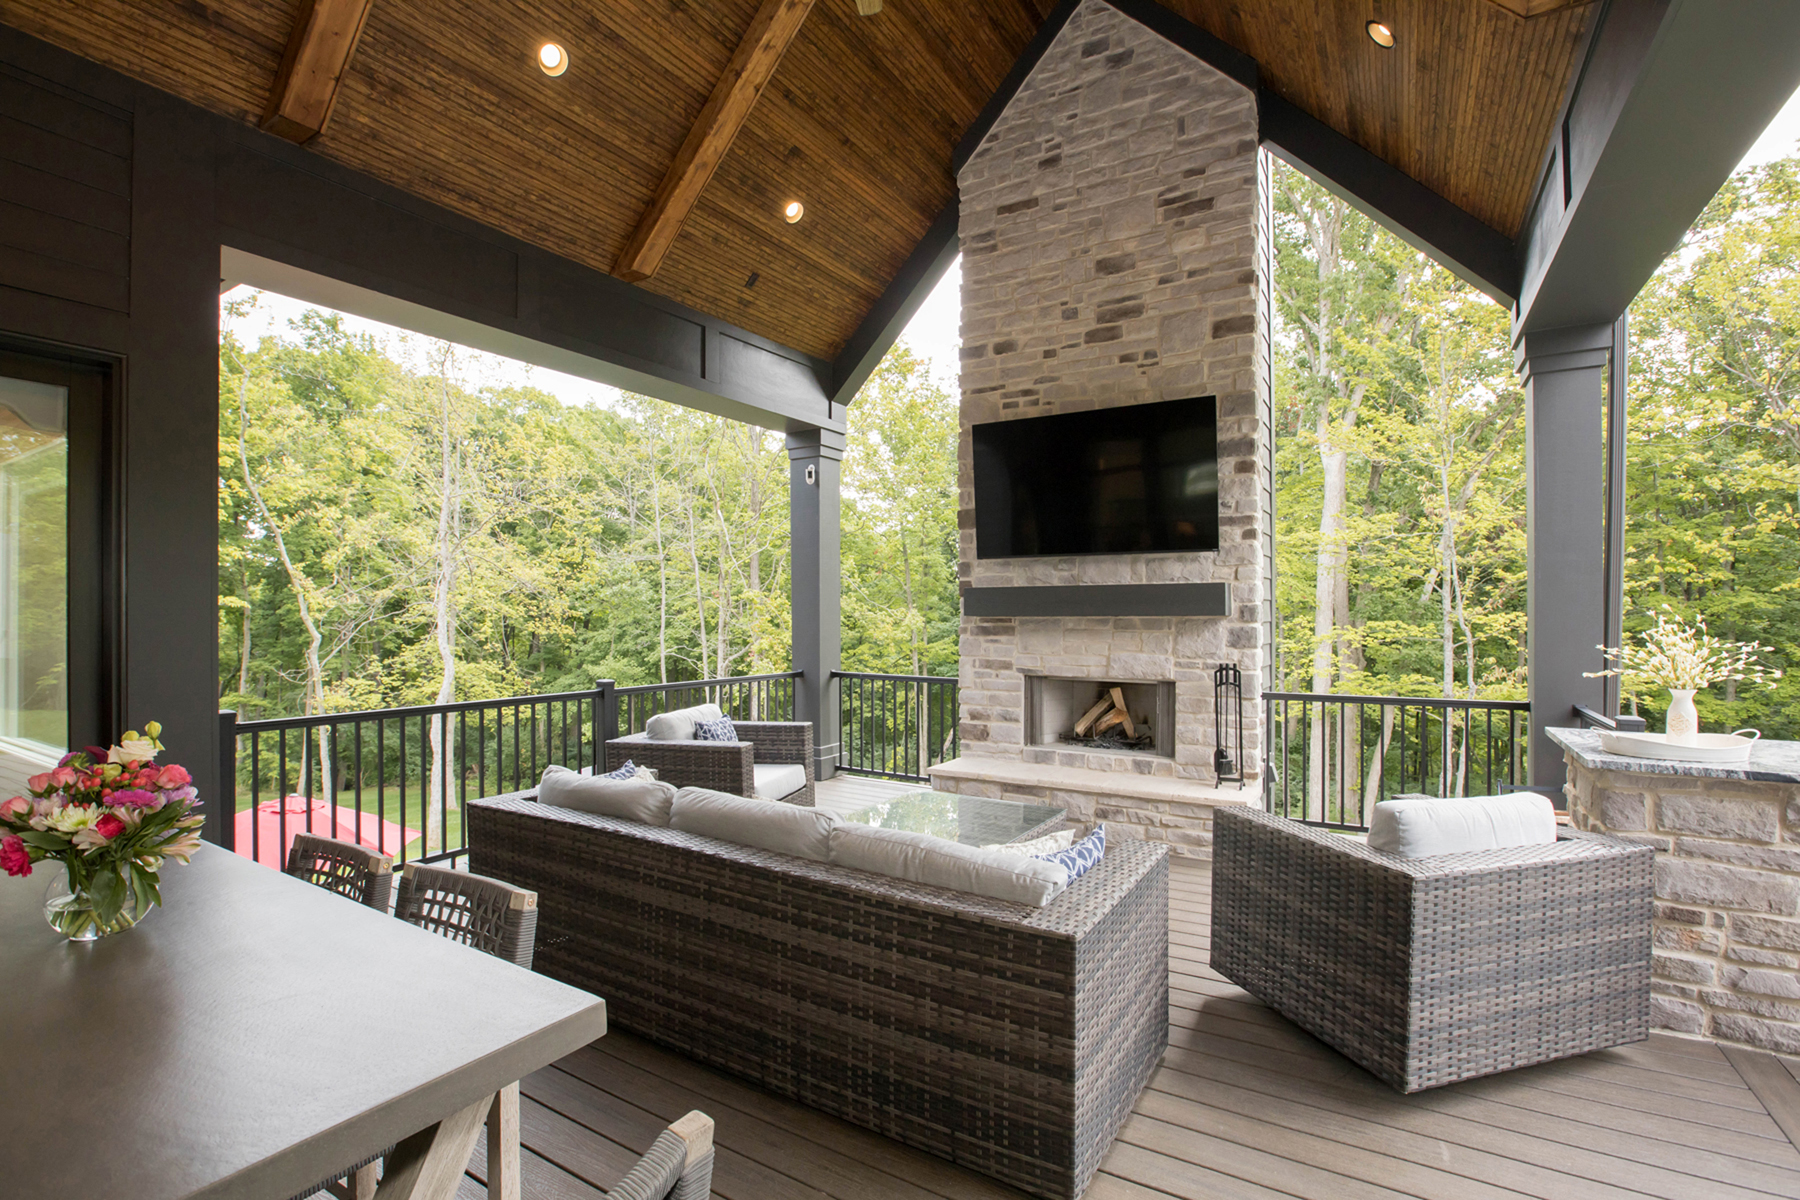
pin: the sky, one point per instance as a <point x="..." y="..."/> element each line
<point x="933" y="332"/>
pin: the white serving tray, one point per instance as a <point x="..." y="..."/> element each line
<point x="1704" y="748"/>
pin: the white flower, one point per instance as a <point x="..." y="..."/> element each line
<point x="73" y="818"/>
<point x="132" y="750"/>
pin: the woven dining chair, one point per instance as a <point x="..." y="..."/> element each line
<point x="487" y="914"/>
<point x="678" y="1165"/>
<point x="350" y="870"/>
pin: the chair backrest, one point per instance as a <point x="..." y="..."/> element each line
<point x="346" y="868"/>
<point x="477" y="911"/>
<point x="678" y="1166"/>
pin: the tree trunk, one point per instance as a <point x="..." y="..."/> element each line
<point x="449" y="530"/>
<point x="314" y="701"/>
<point x="662" y="571"/>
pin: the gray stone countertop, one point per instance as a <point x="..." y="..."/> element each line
<point x="1770" y="761"/>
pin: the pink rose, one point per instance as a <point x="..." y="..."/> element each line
<point x="17" y="806"/>
<point x="13" y="858"/>
<point x="62" y="777"/>
<point x="173" y="776"/>
<point x="39" y="783"/>
<point x="109" y="826"/>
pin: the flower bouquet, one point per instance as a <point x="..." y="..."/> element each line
<point x="1684" y="658"/>
<point x="111" y="817"/>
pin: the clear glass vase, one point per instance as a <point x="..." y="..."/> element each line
<point x="72" y="912"/>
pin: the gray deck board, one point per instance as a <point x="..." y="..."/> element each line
<point x="1245" y="1107"/>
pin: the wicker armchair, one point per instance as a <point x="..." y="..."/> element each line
<point x="724" y="766"/>
<point x="491" y="916"/>
<point x="1427" y="971"/>
<point x="346" y="868"/>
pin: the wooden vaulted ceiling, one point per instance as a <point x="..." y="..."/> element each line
<point x="443" y="99"/>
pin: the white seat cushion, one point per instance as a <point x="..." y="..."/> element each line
<point x="765" y="824"/>
<point x="1424" y="827"/>
<point x="677" y="725"/>
<point x="775" y="780"/>
<point x="922" y="858"/>
<point x="641" y="798"/>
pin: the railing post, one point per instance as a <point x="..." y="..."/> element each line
<point x="606" y="719"/>
<point x="220" y="826"/>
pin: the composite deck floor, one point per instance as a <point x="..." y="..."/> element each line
<point x="1244" y="1106"/>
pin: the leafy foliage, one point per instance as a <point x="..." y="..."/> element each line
<point x="439" y="531"/>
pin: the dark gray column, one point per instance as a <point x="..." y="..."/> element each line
<point x="171" y="451"/>
<point x="1565" y="509"/>
<point x="815" y="467"/>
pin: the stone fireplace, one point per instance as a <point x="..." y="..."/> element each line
<point x="1113" y="229"/>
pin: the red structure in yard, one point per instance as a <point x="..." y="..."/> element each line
<point x="266" y="832"/>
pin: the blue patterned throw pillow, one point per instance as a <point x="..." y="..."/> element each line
<point x="1081" y="857"/>
<point x="624" y="772"/>
<point x="721" y="730"/>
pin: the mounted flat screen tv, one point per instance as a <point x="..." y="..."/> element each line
<point x="1142" y="479"/>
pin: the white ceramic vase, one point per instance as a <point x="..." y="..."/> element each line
<point x="1682" y="722"/>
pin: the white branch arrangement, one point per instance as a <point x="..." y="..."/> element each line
<point x="1683" y="657"/>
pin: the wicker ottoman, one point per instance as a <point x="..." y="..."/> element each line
<point x="1431" y="970"/>
<point x="1011" y="1040"/>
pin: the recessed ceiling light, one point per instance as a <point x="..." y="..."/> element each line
<point x="794" y="211"/>
<point x="553" y="58"/>
<point x="1382" y="35"/>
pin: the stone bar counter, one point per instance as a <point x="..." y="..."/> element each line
<point x="1727" y="923"/>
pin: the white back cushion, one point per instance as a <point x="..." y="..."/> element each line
<point x="1421" y="828"/>
<point x="922" y="858"/>
<point x="677" y="725"/>
<point x="641" y="798"/>
<point x="775" y="780"/>
<point x="765" y="824"/>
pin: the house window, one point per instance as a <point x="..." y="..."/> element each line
<point x="34" y="565"/>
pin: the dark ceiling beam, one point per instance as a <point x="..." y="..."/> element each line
<point x="773" y="29"/>
<point x="1478" y="253"/>
<point x="312" y="67"/>
<point x="1673" y="93"/>
<point x="882" y="327"/>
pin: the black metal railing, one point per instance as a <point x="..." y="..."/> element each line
<point x="1623" y="723"/>
<point x="895" y="726"/>
<point x="398" y="780"/>
<point x="743" y="698"/>
<point x="1328" y="759"/>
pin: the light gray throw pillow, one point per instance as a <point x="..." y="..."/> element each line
<point x="642" y="798"/>
<point x="1050" y="843"/>
<point x="922" y="858"/>
<point x="1422" y="827"/>
<point x="677" y="725"/>
<point x="765" y="824"/>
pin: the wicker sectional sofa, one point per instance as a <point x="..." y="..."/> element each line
<point x="1009" y="1039"/>
<point x="1427" y="971"/>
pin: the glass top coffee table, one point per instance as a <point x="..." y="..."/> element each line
<point x="971" y="820"/>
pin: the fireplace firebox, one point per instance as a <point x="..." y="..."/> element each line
<point x="1131" y="716"/>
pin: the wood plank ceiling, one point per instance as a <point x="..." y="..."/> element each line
<point x="444" y="99"/>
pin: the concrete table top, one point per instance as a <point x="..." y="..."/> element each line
<point x="249" y="1038"/>
<point x="1770" y="761"/>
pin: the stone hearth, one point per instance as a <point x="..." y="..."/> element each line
<point x="1115" y="253"/>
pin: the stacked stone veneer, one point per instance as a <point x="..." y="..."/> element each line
<point x="1727" y="924"/>
<point x="1110" y="236"/>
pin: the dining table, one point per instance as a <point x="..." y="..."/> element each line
<point x="257" y="1035"/>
